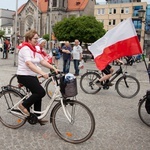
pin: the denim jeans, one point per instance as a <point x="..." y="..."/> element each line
<point x="66" y="66"/>
<point x="76" y="66"/>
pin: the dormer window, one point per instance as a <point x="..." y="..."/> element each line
<point x="77" y="3"/>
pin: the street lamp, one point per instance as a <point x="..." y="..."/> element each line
<point x="141" y="15"/>
<point x="16" y="18"/>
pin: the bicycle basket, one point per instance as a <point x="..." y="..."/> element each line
<point x="68" y="88"/>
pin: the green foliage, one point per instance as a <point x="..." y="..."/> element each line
<point x="46" y="37"/>
<point x="85" y="28"/>
<point x="2" y="33"/>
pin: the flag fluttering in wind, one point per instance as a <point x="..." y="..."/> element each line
<point x="120" y="41"/>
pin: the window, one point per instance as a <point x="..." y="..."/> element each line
<point x="126" y="10"/>
<point x="136" y="9"/>
<point x="54" y="4"/>
<point x="63" y="3"/>
<point x="122" y="10"/>
<point x="114" y="22"/>
<point x="114" y="11"/>
<point x="29" y="20"/>
<point x="101" y="11"/>
<point x="9" y="31"/>
<point x="109" y="22"/>
<point x="98" y="11"/>
<point x="110" y="10"/>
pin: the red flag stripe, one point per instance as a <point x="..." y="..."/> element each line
<point x="128" y="47"/>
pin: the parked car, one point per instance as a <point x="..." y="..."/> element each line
<point x="87" y="55"/>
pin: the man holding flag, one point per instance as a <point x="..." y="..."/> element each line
<point x="118" y="42"/>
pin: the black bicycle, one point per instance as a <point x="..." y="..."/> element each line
<point x="127" y="86"/>
<point x="144" y="116"/>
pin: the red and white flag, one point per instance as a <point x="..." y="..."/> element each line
<point x="120" y="41"/>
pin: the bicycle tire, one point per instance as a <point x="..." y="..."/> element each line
<point x="132" y="89"/>
<point x="144" y="116"/>
<point x="75" y="131"/>
<point x="50" y="88"/>
<point x="87" y="82"/>
<point x="7" y="99"/>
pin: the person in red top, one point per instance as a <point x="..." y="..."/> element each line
<point x="41" y="49"/>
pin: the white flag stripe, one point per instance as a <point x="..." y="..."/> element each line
<point x="122" y="31"/>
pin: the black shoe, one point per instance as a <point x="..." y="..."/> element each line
<point x="110" y="84"/>
<point x="43" y="122"/>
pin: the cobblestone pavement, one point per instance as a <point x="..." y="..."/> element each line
<point x="118" y="126"/>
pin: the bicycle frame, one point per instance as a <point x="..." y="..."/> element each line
<point x="116" y="74"/>
<point x="57" y="94"/>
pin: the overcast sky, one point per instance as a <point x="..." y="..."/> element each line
<point x="11" y="4"/>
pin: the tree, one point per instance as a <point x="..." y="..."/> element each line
<point x="85" y="28"/>
<point x="2" y="34"/>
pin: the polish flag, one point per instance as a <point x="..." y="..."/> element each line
<point x="120" y="41"/>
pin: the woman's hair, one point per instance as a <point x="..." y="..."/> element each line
<point x="30" y="34"/>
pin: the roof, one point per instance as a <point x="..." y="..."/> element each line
<point x="74" y="5"/>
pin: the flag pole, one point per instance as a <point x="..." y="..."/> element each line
<point x="16" y="17"/>
<point x="37" y="13"/>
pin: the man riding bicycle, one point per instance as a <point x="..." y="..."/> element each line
<point x="108" y="71"/>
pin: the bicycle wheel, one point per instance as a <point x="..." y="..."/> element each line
<point x="50" y="88"/>
<point x="7" y="99"/>
<point x="82" y="123"/>
<point x="87" y="82"/>
<point x="127" y="86"/>
<point x="144" y="116"/>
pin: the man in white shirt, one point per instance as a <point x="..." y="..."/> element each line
<point x="77" y="56"/>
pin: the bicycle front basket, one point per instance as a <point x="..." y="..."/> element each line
<point x="69" y="88"/>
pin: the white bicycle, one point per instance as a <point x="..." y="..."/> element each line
<point x="72" y="120"/>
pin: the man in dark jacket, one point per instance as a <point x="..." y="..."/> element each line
<point x="66" y="51"/>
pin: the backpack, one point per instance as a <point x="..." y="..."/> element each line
<point x="147" y="103"/>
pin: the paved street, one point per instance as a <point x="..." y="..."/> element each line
<point x="118" y="126"/>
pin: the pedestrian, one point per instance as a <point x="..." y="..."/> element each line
<point x="5" y="50"/>
<point x="77" y="56"/>
<point x="66" y="52"/>
<point x="56" y="54"/>
<point x="40" y="47"/>
<point x="28" y="61"/>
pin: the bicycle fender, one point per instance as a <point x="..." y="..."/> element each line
<point x="47" y="82"/>
<point x="53" y="111"/>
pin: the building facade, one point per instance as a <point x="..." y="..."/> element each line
<point x="115" y="11"/>
<point x="6" y="22"/>
<point x="43" y="15"/>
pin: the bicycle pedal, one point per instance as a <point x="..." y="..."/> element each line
<point x="105" y="87"/>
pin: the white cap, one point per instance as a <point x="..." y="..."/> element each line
<point x="41" y="40"/>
